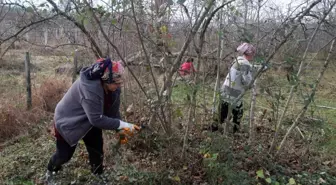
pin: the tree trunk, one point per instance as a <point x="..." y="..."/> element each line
<point x="254" y="88"/>
<point x="220" y="53"/>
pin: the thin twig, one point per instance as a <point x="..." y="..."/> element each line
<point x="97" y="50"/>
<point x="144" y="49"/>
<point x="116" y="49"/>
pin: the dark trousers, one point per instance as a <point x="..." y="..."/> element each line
<point x="237" y="114"/>
<point x="94" y="145"/>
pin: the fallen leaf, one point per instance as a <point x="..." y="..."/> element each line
<point x="322" y="180"/>
<point x="175" y="178"/>
<point x="326" y="162"/>
<point x="269" y="180"/>
<point x="207" y="155"/>
<point x="260" y="174"/>
<point x="123" y="178"/>
<point x="185" y="167"/>
<point x="292" y="181"/>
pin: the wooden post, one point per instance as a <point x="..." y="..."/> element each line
<point x="27" y="36"/>
<point x="56" y="34"/>
<point x="27" y="70"/>
<point x="61" y="32"/>
<point x="76" y="36"/>
<point x="46" y="36"/>
<point x="74" y="73"/>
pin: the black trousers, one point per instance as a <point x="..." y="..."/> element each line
<point x="237" y="114"/>
<point x="94" y="145"/>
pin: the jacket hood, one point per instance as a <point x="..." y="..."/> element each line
<point x="94" y="86"/>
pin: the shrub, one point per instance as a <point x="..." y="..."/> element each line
<point x="15" y="119"/>
<point x="9" y="123"/>
<point x="50" y="93"/>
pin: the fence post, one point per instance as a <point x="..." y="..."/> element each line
<point x="45" y="36"/>
<point x="27" y="70"/>
<point x="75" y="62"/>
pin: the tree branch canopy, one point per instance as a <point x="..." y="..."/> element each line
<point x="97" y="50"/>
<point x="25" y="27"/>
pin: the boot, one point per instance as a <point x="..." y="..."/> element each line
<point x="236" y="128"/>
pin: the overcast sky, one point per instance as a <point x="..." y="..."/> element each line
<point x="277" y="4"/>
<point x="282" y="3"/>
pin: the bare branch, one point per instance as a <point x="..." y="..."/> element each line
<point x="25" y="27"/>
<point x="116" y="49"/>
<point x="287" y="36"/>
<point x="290" y="96"/>
<point x="144" y="49"/>
<point x="97" y="50"/>
<point x="185" y="46"/>
<point x="311" y="96"/>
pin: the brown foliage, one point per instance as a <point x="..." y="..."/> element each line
<point x="15" y="119"/>
<point x="50" y="93"/>
<point x="9" y="122"/>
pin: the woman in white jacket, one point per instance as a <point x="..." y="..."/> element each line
<point x="239" y="77"/>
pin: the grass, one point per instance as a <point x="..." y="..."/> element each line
<point x="182" y="92"/>
<point x="232" y="161"/>
<point x="31" y="163"/>
<point x="25" y="162"/>
<point x="46" y="92"/>
<point x="328" y="146"/>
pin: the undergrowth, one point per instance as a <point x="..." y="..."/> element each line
<point x="16" y="120"/>
<point x="50" y="92"/>
<point x="150" y="158"/>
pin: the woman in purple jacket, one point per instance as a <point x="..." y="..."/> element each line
<point x="90" y="105"/>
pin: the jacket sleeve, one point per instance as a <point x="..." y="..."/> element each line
<point x="94" y="112"/>
<point x="247" y="78"/>
<point x="257" y="67"/>
<point x="246" y="74"/>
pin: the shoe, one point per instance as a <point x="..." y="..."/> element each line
<point x="50" y="178"/>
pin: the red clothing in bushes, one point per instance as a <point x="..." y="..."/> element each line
<point x="186" y="68"/>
